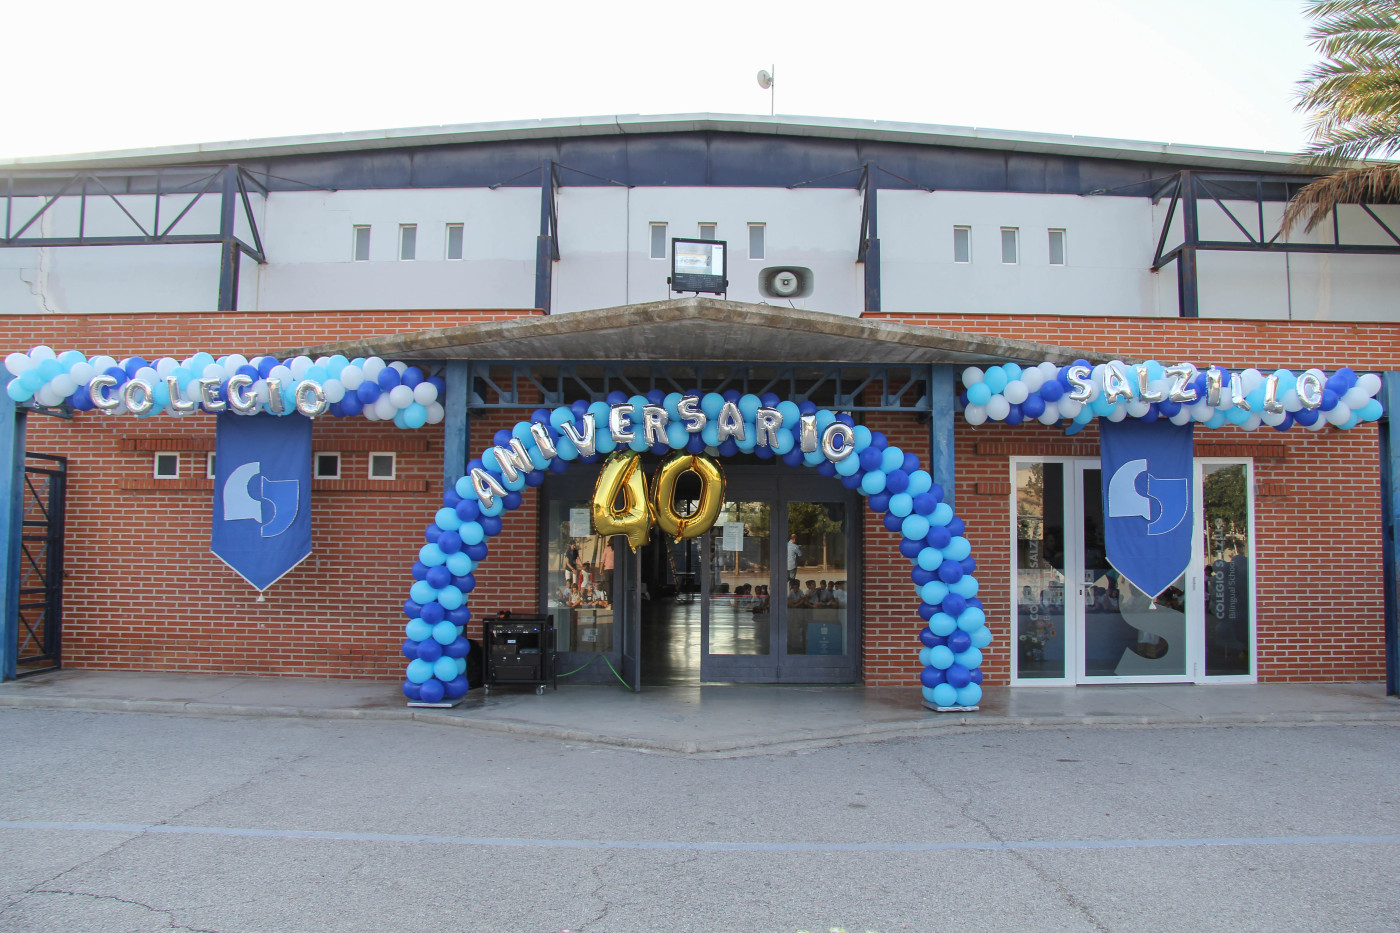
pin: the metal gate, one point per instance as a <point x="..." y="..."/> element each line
<point x="41" y="565"/>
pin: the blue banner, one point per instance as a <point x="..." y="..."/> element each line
<point x="1147" y="485"/>
<point x="262" y="495"/>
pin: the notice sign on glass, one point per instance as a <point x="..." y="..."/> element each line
<point x="733" y="536"/>
<point x="580" y="523"/>
<point x="698" y="266"/>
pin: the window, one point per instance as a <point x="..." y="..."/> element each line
<point x="707" y="231"/>
<point x="1008" y="245"/>
<point x="962" y="244"/>
<point x="381" y="466"/>
<point x="454" y="241"/>
<point x="408" y="241"/>
<point x="209" y="465"/>
<point x="1057" y="247"/>
<point x="165" y="465"/>
<point x="361" y="248"/>
<point x="658" y="241"/>
<point x="756" y="240"/>
<point x="327" y="466"/>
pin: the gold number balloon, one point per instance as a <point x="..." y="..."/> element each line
<point x="620" y="474"/>
<point x="711" y="476"/>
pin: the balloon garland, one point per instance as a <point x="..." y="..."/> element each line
<point x="911" y="503"/>
<point x="328" y="385"/>
<point x="1213" y="397"/>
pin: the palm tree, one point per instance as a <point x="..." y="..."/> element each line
<point x="1354" y="98"/>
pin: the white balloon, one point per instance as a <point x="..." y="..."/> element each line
<point x="47" y="395"/>
<point x="1137" y="407"/>
<point x="214" y="371"/>
<point x="299" y="366"/>
<point x="1068" y="407"/>
<point x="334" y="389"/>
<point x="1251" y="379"/>
<point x="235" y="360"/>
<point x="401" y="396"/>
<point x="1181" y="417"/>
<point x="1252" y="422"/>
<point x="1050" y="415"/>
<point x="165" y="366"/>
<point x="63" y="384"/>
<point x="41" y="353"/>
<point x="372" y="368"/>
<point x="1015" y="392"/>
<point x="102" y="363"/>
<point x="385" y="408"/>
<point x="1048" y="372"/>
<point x="436" y="413"/>
<point x="1370" y="383"/>
<point x="1273" y="418"/>
<point x="425" y="393"/>
<point x="1355" y="397"/>
<point x="1339" y="415"/>
<point x="998" y="408"/>
<point x="369" y="413"/>
<point x="1317" y="425"/>
<point x="351" y="377"/>
<point x="971" y="376"/>
<point x="975" y="414"/>
<point x="82" y="373"/>
<point x="1033" y="379"/>
<point x="17" y="363"/>
<point x="281" y="373"/>
<point x="1118" y="413"/>
<point x="147" y="375"/>
<point x="1290" y="401"/>
<point x="399" y="367"/>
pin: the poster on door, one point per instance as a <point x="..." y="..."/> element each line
<point x="1147" y="500"/>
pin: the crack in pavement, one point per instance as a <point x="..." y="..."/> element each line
<point x="168" y="913"/>
<point x="596" y="872"/>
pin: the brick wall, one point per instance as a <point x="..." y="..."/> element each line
<point x="144" y="593"/>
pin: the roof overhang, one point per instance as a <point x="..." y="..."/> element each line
<point x="702" y="330"/>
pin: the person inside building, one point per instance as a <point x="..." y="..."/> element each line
<point x="793" y="553"/>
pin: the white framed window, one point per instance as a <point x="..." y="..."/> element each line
<point x="165" y="464"/>
<point x="209" y="465"/>
<point x="359" y="250"/>
<point x="382" y="465"/>
<point x="1057" y="248"/>
<point x="327" y="465"/>
<point x="758" y="246"/>
<point x="658" y="241"/>
<point x="1010" y="252"/>
<point x="408" y="241"/>
<point x="962" y="244"/>
<point x="707" y="231"/>
<point x="454" y="241"/>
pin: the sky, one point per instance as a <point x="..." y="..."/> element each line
<point x="90" y="76"/>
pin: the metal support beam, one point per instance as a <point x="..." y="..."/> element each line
<point x="942" y="392"/>
<point x="1390" y="521"/>
<point x="229" y="252"/>
<point x="547" y="244"/>
<point x="869" y="252"/>
<point x="12" y="432"/>
<point x="1188" y="294"/>
<point x="456" y="425"/>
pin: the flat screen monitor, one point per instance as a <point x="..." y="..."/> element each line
<point x="698" y="266"/>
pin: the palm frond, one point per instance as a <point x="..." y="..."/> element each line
<point x="1371" y="184"/>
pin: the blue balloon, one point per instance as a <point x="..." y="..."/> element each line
<point x="458" y="648"/>
<point x="926" y="637"/>
<point x="971" y="658"/>
<point x="444" y="633"/>
<point x="900" y="503"/>
<point x="907" y="546"/>
<point x="456" y="687"/>
<point x="409" y="649"/>
<point x="950" y="572"/>
<point x="970" y="695"/>
<point x="933" y="592"/>
<point x="423" y="592"/>
<point x="931" y="677"/>
<point x="433" y="612"/>
<point x="444" y="669"/>
<point x="872" y="483"/>
<point x="429" y="651"/>
<point x="945" y="695"/>
<point x="930" y="558"/>
<point x="438" y="577"/>
<point x="958" y="675"/>
<point x="419" y="670"/>
<point x="879" y="502"/>
<point x="940" y="657"/>
<point x="412" y="691"/>
<point x="958" y="642"/>
<point x="914" y="527"/>
<point x="431" y="691"/>
<point x="981" y="637"/>
<point x="942" y="624"/>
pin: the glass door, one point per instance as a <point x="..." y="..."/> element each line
<point x="736" y="617"/>
<point x="816" y="633"/>
<point x="1126" y="636"/>
<point x="585" y="581"/>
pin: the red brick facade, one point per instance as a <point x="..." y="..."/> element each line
<point x="144" y="592"/>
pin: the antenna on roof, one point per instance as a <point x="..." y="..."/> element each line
<point x="766" y="81"/>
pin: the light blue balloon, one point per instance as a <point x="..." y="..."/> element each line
<point x="941" y="657"/>
<point x="461" y="665"/>
<point x="1237" y="416"/>
<point x="933" y="592"/>
<point x="711" y="403"/>
<point x="825" y="417"/>
<point x="537" y="458"/>
<point x="561" y="415"/>
<point x="784" y="441"/>
<point x="451" y="597"/>
<point x="930" y="558"/>
<point x="464" y="487"/>
<point x="813" y="458"/>
<point x="444" y="633"/>
<point x="710" y="433"/>
<point x="848" y="467"/>
<point x="749" y="405"/>
<point x="970" y="659"/>
<point x="901" y="504"/>
<point x="966" y="587"/>
<point x="958" y="549"/>
<point x="445" y="669"/>
<point x="417" y="629"/>
<point x="1215" y="420"/>
<point x="31" y="379"/>
<point x="495" y="508"/>
<point x="979" y="394"/>
<point x="919" y="482"/>
<point x="447" y="519"/>
<point x="18" y="391"/>
<point x="676" y="435"/>
<point x="945" y="695"/>
<point x="514" y="485"/>
<point x="942" y="514"/>
<point x="432" y="555"/>
<point x="914" y="527"/>
<point x="1013" y="371"/>
<point x="160" y="393"/>
<point x="1371" y="411"/>
<point x="892" y="459"/>
<point x="639" y="440"/>
<point x="565" y="450"/>
<point x="471" y="532"/>
<point x="1086" y="414"/>
<point x="603" y="442"/>
<point x="750" y="440"/>
<point x="923" y="657"/>
<point x="995" y="380"/>
<point x="971" y="619"/>
<point x="970" y="695"/>
<point x="981" y="637"/>
<point x="861" y="437"/>
<point x="792" y="415"/>
<point x="929" y="694"/>
<point x="422" y="593"/>
<point x="459" y="564"/>
<point x="872" y="483"/>
<point x="488" y="460"/>
<point x="942" y="624"/>
<point x="419" y="671"/>
<point x="672" y="404"/>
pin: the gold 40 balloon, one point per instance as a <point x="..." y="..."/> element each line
<point x="622" y="478"/>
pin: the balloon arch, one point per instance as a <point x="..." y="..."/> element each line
<point x="688" y="430"/>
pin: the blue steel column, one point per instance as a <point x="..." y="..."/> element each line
<point x="941" y="393"/>
<point x="1390" y="521"/>
<point x="456" y="425"/>
<point x="228" y="251"/>
<point x="12" y="424"/>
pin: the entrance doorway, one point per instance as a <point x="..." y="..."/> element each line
<point x="1078" y="621"/>
<point x="768" y="595"/>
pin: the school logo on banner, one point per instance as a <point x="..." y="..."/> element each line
<point x="1147" y="500"/>
<point x="262" y="495"/>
